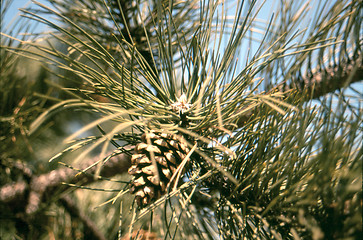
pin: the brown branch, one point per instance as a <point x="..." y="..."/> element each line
<point x="327" y="80"/>
<point x="318" y="84"/>
<point x="15" y="194"/>
<point x="91" y="231"/>
<point x="13" y="191"/>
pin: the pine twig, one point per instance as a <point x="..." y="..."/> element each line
<point x="319" y="83"/>
<point x="327" y="80"/>
<point x="16" y="193"/>
<point x="90" y="228"/>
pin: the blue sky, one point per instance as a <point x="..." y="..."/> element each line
<point x="12" y="15"/>
<point x="13" y="11"/>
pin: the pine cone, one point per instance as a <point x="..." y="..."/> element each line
<point x="150" y="182"/>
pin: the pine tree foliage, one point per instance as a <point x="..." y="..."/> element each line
<point x="240" y="128"/>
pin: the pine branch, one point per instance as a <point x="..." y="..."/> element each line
<point x="309" y="85"/>
<point x="321" y="82"/>
<point x="15" y="194"/>
<point x="90" y="229"/>
<point x="328" y="80"/>
<point x="318" y="83"/>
